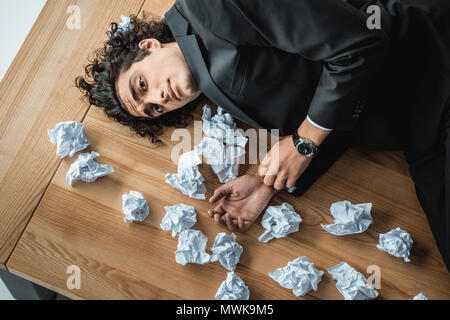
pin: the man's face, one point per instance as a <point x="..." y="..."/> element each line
<point x="159" y="83"/>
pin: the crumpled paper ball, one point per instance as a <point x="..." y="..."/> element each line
<point x="188" y="179"/>
<point x="233" y="288"/>
<point x="223" y="159"/>
<point x="86" y="169"/>
<point x="300" y="275"/>
<point x="134" y="206"/>
<point x="222" y="127"/>
<point x="349" y="218"/>
<point x="396" y="242"/>
<point x="226" y="250"/>
<point x="279" y="221"/>
<point x="191" y="247"/>
<point x="69" y="137"/>
<point x="351" y="283"/>
<point x="178" y="218"/>
<point x="420" y="296"/>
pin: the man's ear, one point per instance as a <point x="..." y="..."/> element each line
<point x="150" y="43"/>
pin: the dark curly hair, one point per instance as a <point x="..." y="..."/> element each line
<point x="118" y="53"/>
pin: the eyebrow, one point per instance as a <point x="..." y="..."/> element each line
<point x="132" y="106"/>
<point x="133" y="92"/>
<point x="136" y="98"/>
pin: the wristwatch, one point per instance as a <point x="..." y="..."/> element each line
<point x="305" y="147"/>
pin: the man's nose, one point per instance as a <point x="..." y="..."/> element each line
<point x="161" y="97"/>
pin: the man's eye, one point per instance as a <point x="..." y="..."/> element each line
<point x="141" y="83"/>
<point x="157" y="108"/>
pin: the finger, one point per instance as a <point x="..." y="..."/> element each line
<point x="211" y="213"/>
<point x="220" y="210"/>
<point x="274" y="160"/>
<point x="265" y="164"/>
<point x="290" y="183"/>
<point x="229" y="223"/>
<point x="241" y="224"/>
<point x="218" y="221"/>
<point x="247" y="225"/>
<point x="266" y="160"/>
<point x="274" y="168"/>
<point x="280" y="182"/>
<point x="269" y="180"/>
<point x="220" y="192"/>
<point x="262" y="170"/>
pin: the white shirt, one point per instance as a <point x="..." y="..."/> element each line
<point x="316" y="125"/>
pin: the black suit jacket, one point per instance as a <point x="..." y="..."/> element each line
<point x="272" y="63"/>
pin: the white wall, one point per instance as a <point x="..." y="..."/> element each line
<point x="18" y="16"/>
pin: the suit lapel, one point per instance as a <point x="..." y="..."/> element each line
<point x="189" y="46"/>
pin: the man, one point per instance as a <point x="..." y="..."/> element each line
<point x="312" y="69"/>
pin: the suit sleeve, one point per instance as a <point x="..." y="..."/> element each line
<point x="329" y="31"/>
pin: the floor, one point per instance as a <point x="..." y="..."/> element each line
<point x="14" y="28"/>
<point x="4" y="293"/>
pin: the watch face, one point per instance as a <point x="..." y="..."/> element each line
<point x="305" y="148"/>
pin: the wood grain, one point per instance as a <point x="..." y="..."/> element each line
<point x="83" y="226"/>
<point x="36" y="93"/>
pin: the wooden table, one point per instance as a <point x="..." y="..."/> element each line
<point x="47" y="226"/>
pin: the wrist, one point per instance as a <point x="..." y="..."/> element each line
<point x="312" y="133"/>
<point x="268" y="191"/>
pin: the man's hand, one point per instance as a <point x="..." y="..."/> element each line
<point x="243" y="201"/>
<point x="283" y="165"/>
